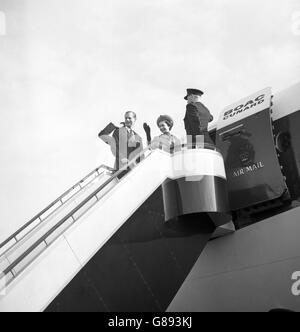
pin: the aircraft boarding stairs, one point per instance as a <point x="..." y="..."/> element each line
<point x="15" y="252"/>
<point x="43" y="256"/>
<point x="129" y="245"/>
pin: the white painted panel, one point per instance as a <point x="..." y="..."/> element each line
<point x="33" y="290"/>
<point x="197" y="162"/>
<point x="286" y="102"/>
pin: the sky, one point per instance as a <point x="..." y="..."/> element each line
<point x="69" y="67"/>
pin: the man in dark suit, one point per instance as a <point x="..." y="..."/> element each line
<point x="197" y="117"/>
<point x="125" y="143"/>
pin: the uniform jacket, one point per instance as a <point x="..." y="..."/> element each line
<point x="196" y="119"/>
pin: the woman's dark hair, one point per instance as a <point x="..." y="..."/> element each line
<point x="167" y="119"/>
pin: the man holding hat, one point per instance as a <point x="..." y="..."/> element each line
<point x="125" y="143"/>
<point x="197" y="117"/>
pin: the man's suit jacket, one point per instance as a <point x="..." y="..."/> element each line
<point x="196" y="119"/>
<point x="128" y="146"/>
<point x="123" y="144"/>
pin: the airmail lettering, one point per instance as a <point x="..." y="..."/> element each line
<point x="246" y="170"/>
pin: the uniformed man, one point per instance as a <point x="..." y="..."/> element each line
<point x="197" y="118"/>
<point x="125" y="143"/>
